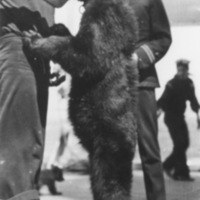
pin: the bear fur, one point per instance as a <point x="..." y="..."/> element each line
<point x="103" y="96"/>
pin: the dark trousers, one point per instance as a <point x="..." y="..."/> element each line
<point x="148" y="145"/>
<point x="23" y="106"/>
<point x="178" y="130"/>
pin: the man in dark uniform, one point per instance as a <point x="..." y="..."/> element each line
<point x="153" y="42"/>
<point x="173" y="102"/>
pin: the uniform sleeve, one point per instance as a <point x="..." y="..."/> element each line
<point x="192" y="98"/>
<point x="164" y="100"/>
<point x="56" y="3"/>
<point x="154" y="49"/>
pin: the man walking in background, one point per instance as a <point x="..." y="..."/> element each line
<point x="177" y="92"/>
<point x="153" y="43"/>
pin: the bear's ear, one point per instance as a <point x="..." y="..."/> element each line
<point x="53" y="166"/>
<point x="59" y="30"/>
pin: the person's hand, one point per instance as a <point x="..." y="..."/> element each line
<point x="34" y="42"/>
<point x="135" y="59"/>
<point x="159" y="112"/>
<point x="56" y="79"/>
<point x="30" y="37"/>
<point x="31" y="34"/>
<point x="45" y="47"/>
<point x="198" y="121"/>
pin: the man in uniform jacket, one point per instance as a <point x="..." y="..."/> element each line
<point x="24" y="82"/>
<point x="177" y="92"/>
<point x="153" y="43"/>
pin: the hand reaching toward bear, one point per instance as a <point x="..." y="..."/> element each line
<point x="47" y="47"/>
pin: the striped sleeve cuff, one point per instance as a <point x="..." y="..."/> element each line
<point x="146" y="56"/>
<point x="149" y="53"/>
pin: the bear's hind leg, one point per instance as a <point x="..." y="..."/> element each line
<point x="111" y="169"/>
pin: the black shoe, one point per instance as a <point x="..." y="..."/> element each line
<point x="183" y="178"/>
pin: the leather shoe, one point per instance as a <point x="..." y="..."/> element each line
<point x="183" y="178"/>
<point x="168" y="172"/>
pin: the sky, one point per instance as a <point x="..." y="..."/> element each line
<point x="70" y="15"/>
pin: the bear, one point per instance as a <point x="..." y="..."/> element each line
<point x="49" y="177"/>
<point x="103" y="96"/>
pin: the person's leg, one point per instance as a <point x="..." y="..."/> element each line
<point x="21" y="132"/>
<point x="179" y="134"/>
<point x="169" y="162"/>
<point x="181" y="167"/>
<point x="149" y="147"/>
<point x="41" y="73"/>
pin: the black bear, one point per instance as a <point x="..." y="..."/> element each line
<point x="103" y="96"/>
<point x="49" y="177"/>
